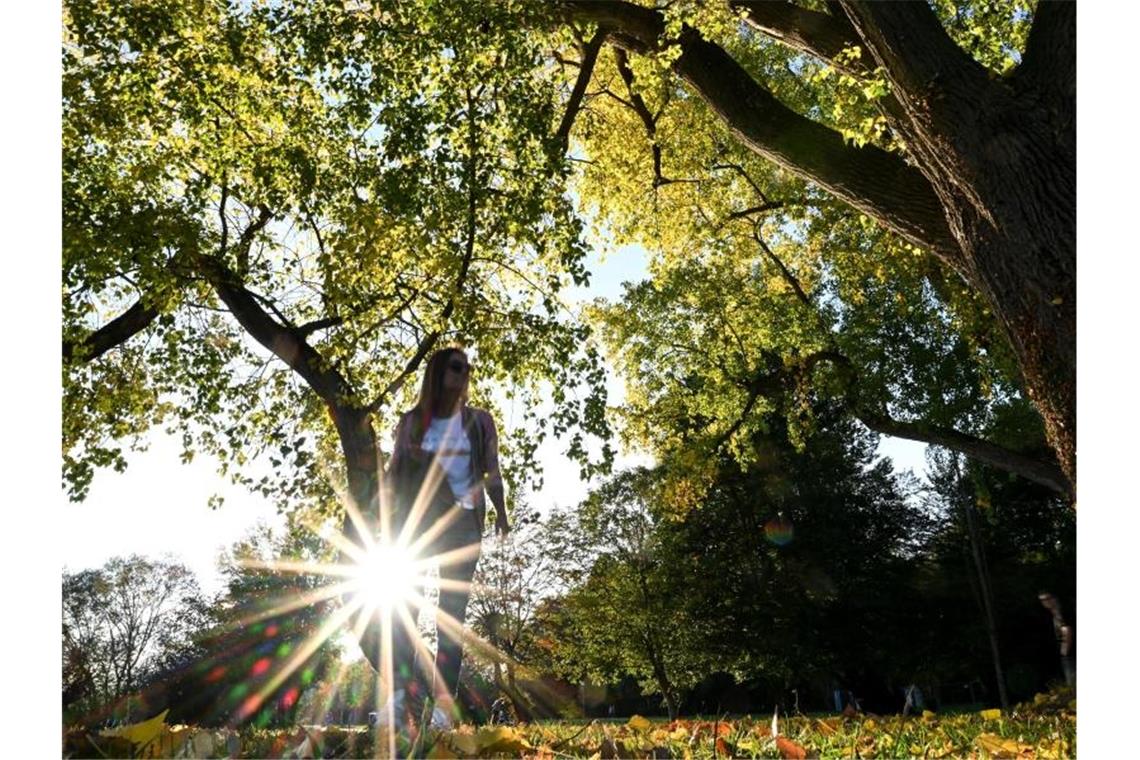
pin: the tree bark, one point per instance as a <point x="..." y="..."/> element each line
<point x="116" y="332"/>
<point x="977" y="553"/>
<point x="990" y="187"/>
<point x="1001" y="157"/>
<point x="1041" y="472"/>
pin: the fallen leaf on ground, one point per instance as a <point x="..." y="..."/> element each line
<point x="828" y="727"/>
<point x="139" y="733"/>
<point x="465" y="744"/>
<point x="638" y="723"/>
<point x="441" y="752"/>
<point x="494" y="739"/>
<point x="1000" y="747"/>
<point x="789" y="749"/>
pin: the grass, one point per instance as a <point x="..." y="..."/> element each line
<point x="1042" y="728"/>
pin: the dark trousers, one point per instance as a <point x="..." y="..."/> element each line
<point x="460" y="532"/>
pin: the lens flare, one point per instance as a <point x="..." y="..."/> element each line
<point x="387" y="575"/>
<point x="779" y="531"/>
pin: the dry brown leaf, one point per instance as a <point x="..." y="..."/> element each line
<point x="789" y="749"/>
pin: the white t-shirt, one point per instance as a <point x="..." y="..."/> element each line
<point x="446" y="438"/>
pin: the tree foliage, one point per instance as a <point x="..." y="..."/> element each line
<point x="266" y="644"/>
<point x="858" y="180"/>
<point x="272" y="213"/>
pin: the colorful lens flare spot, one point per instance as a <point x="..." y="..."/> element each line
<point x="216" y="673"/>
<point x="779" y="531"/>
<point x="289" y="698"/>
<point x="260" y="666"/>
<point x="250" y="705"/>
<point x="307" y="676"/>
<point x="271" y="631"/>
<point x="284" y="650"/>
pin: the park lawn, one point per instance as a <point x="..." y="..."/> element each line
<point x="1043" y="728"/>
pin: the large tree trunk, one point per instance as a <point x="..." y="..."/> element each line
<point x="989" y="182"/>
<point x="1000" y="155"/>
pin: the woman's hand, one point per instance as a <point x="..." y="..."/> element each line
<point x="502" y="525"/>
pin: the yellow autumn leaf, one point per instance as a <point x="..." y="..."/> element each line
<point x="464" y="744"/>
<point x="139" y="733"/>
<point x="638" y="723"/>
<point x="993" y="714"/>
<point x="829" y="727"/>
<point x="999" y="747"/>
<point x="500" y="739"/>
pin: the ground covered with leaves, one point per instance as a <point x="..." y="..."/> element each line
<point x="1043" y="728"/>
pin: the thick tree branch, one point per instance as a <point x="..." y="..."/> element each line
<point x="912" y="46"/>
<point x="116" y="332"/>
<point x="1050" y="60"/>
<point x="875" y="182"/>
<point x="585" y="71"/>
<point x="774" y="378"/>
<point x="281" y="340"/>
<point x="1048" y="474"/>
<point x="819" y="34"/>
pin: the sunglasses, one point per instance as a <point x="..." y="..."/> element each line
<point x="458" y="367"/>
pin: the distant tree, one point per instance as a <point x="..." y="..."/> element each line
<point x="997" y="544"/>
<point x="622" y="614"/>
<point x="794" y="572"/>
<point x="513" y="578"/>
<point x="119" y="622"/>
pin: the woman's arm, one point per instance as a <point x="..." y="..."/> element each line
<point x="494" y="479"/>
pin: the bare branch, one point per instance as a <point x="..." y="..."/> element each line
<point x="747" y="178"/>
<point x="747" y="212"/>
<point x="431" y="338"/>
<point x="787" y="273"/>
<point x="246" y="240"/>
<point x="589" y="58"/>
<point x="309" y="328"/>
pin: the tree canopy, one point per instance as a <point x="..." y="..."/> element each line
<point x="806" y="190"/>
<point x="273" y="213"/>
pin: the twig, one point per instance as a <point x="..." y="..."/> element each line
<point x="574" y="736"/>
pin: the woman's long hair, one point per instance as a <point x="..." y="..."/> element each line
<point x="431" y="391"/>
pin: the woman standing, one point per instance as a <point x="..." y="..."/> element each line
<point x="445" y="463"/>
